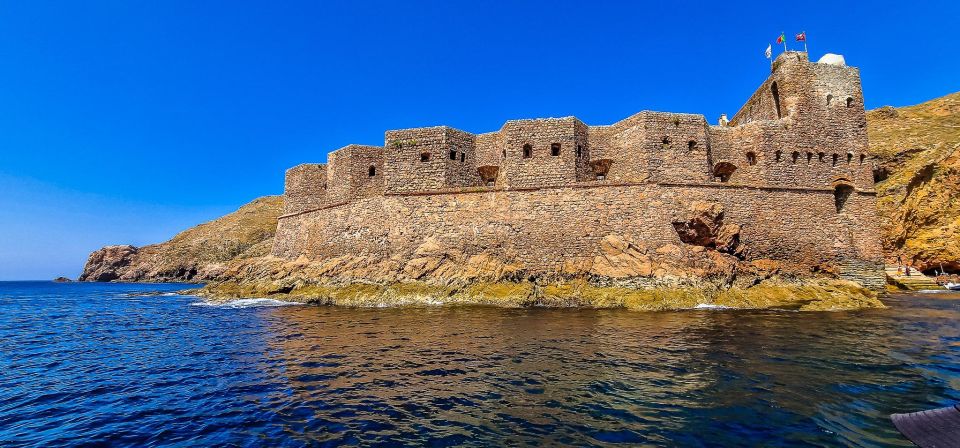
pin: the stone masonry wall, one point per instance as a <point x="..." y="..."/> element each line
<point x="305" y="188"/>
<point x="543" y="229"/>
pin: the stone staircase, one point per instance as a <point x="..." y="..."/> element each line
<point x="916" y="280"/>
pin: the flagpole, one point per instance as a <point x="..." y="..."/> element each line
<point x="784" y="35"/>
<point x="805" y="44"/>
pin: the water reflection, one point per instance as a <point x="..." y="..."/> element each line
<point x="439" y="375"/>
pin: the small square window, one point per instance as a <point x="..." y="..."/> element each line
<point x="555" y="149"/>
<point x="424" y="156"/>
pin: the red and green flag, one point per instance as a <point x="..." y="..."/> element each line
<point x="780" y="39"/>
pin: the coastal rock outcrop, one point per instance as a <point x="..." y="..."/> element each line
<point x="194" y="255"/>
<point x="109" y="263"/>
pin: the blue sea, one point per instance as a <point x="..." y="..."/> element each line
<point x="139" y="365"/>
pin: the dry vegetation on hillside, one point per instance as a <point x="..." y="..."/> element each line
<point x="918" y="169"/>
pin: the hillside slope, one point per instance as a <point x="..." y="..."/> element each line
<point x="196" y="254"/>
<point x="918" y="174"/>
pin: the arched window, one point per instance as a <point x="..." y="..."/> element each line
<point x="835" y="158"/>
<point x="829" y="99"/>
<point x="424" y="156"/>
<point x="778" y="155"/>
<point x="691" y="145"/>
<point x="724" y="170"/>
<point x="554" y="149"/>
<point x="849" y="102"/>
<point x="776" y="98"/>
<point x="372" y="171"/>
<point x="840" y="195"/>
<point x="751" y="158"/>
<point x="527" y="151"/>
<point x="849" y="158"/>
<point x="795" y="156"/>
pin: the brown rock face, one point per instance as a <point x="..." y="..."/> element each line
<point x="703" y="226"/>
<point x="917" y="170"/>
<point x="106" y="264"/>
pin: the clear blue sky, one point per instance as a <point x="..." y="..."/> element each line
<point x="126" y="121"/>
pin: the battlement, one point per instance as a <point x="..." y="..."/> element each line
<point x="804" y="127"/>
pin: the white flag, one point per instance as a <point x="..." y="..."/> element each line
<point x="769" y="51"/>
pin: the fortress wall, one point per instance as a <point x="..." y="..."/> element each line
<point x="404" y="169"/>
<point x="488" y="148"/>
<point x="339" y="187"/>
<point x="581" y="151"/>
<point x="541" y="168"/>
<point x="621" y="144"/>
<point x="363" y="183"/>
<point x="462" y="168"/>
<point x="543" y="229"/>
<point x="304" y="187"/>
<point x="676" y="147"/>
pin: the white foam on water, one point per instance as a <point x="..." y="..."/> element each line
<point x="247" y="303"/>
<point x="710" y="306"/>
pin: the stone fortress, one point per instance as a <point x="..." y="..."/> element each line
<point x="787" y="178"/>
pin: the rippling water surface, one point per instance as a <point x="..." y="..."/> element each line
<point x="102" y="364"/>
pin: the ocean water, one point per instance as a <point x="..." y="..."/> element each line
<point x="105" y="364"/>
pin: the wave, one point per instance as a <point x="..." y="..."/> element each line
<point x="710" y="306"/>
<point x="247" y="303"/>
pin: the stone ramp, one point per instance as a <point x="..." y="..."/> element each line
<point x="916" y="281"/>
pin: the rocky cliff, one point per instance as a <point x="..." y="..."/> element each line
<point x="194" y="255"/>
<point x="918" y="181"/>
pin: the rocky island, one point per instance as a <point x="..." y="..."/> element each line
<point x="773" y="208"/>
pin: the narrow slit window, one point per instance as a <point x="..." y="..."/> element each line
<point x="554" y="149"/>
<point x="778" y="155"/>
<point x="809" y="157"/>
<point x="751" y="158"/>
<point x="463" y="157"/>
<point x="453" y="154"/>
<point x="829" y="99"/>
<point x="579" y="151"/>
<point x="835" y="158"/>
<point x="776" y="98"/>
<point x="795" y="156"/>
<point x="849" y="158"/>
<point x="820" y="156"/>
<point x="372" y="171"/>
<point x="863" y="158"/>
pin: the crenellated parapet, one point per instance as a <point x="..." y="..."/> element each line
<point x="803" y="128"/>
